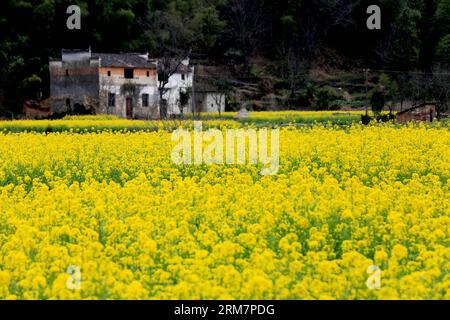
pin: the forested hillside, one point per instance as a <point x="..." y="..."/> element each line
<point x="293" y="35"/>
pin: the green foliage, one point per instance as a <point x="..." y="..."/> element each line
<point x="326" y="98"/>
<point x="406" y="43"/>
<point x="442" y="17"/>
<point x="377" y="101"/>
<point x="31" y="86"/>
<point x="290" y="33"/>
<point x="305" y="97"/>
<point x="93" y="117"/>
<point x="443" y="50"/>
<point x="323" y="99"/>
<point x="390" y="88"/>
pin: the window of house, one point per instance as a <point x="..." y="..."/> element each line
<point x="183" y="77"/>
<point x="148" y="74"/>
<point x="129" y="73"/>
<point x="111" y="99"/>
<point x="145" y="100"/>
<point x="67" y="102"/>
<point x="109" y="73"/>
<point x="67" y="72"/>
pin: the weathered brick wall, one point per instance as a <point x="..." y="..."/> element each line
<point x="74" y="80"/>
<point x="426" y="113"/>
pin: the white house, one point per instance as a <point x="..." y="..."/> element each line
<point x="180" y="83"/>
<point x="125" y="84"/>
<point x="208" y="95"/>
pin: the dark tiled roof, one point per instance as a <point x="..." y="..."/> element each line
<point x="124" y="60"/>
<point x="206" y="77"/>
<point x="182" y="68"/>
<point x="74" y="50"/>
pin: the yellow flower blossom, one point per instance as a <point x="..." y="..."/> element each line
<point x="112" y="205"/>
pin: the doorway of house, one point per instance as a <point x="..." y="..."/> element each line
<point x="129" y="107"/>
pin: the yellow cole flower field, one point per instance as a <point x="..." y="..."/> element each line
<point x="136" y="226"/>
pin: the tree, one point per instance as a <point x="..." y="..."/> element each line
<point x="377" y="100"/>
<point x="223" y="87"/>
<point x="401" y="46"/>
<point x="32" y="87"/>
<point x="167" y="67"/>
<point x="427" y="35"/>
<point x="292" y="35"/>
<point x="182" y="24"/>
<point x="323" y="99"/>
<point x="390" y="90"/>
<point x="248" y="24"/>
<point x="443" y="50"/>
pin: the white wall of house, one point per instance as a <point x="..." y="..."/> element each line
<point x="117" y="109"/>
<point x="150" y="111"/>
<point x="68" y="83"/>
<point x="178" y="82"/>
<point x="210" y="101"/>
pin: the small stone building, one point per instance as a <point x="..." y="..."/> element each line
<point x="424" y="112"/>
<point x="124" y="84"/>
<point x="210" y="101"/>
<point x="209" y="97"/>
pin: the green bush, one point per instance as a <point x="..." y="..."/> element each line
<point x="304" y="97"/>
<point x="377" y="101"/>
<point x="327" y="98"/>
<point x="443" y="50"/>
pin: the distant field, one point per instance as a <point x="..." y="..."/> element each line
<point x="90" y="124"/>
<point x="99" y="123"/>
<point x="293" y="117"/>
<point x="226" y="119"/>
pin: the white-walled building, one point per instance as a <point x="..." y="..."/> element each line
<point x="210" y="101"/>
<point x="124" y="84"/>
<point x="208" y="96"/>
<point x="180" y="82"/>
<point x="128" y="86"/>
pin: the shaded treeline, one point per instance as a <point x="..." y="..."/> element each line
<point x="415" y="34"/>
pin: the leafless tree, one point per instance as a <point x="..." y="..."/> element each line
<point x="249" y="23"/>
<point x="440" y="88"/>
<point x="301" y="43"/>
<point x="319" y="18"/>
<point x="167" y="67"/>
<point x="431" y="86"/>
<point x="218" y="97"/>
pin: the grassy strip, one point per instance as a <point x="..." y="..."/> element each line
<point x="82" y="126"/>
<point x="292" y="117"/>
